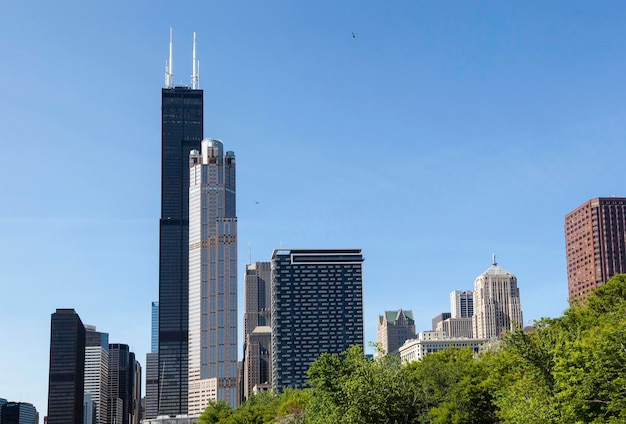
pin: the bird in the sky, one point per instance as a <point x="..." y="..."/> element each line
<point x="353" y="35"/>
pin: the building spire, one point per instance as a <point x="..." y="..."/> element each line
<point x="169" y="69"/>
<point x="493" y="260"/>
<point x="195" y="76"/>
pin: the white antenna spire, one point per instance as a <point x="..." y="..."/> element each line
<point x="195" y="77"/>
<point x="169" y="69"/>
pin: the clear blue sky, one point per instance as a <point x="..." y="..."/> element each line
<point x="444" y="132"/>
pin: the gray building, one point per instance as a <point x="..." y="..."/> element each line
<point x="152" y="367"/>
<point x="212" y="277"/>
<point x="257" y="361"/>
<point x="317" y="307"/>
<point x="438" y="318"/>
<point x="462" y="304"/>
<point x="97" y="372"/>
<point x="394" y="327"/>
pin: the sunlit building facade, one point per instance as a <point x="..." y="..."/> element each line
<point x="497" y="307"/>
<point x="595" y="241"/>
<point x="212" y="277"/>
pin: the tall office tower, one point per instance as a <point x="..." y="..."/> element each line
<point x="136" y="392"/>
<point x="89" y="409"/>
<point x="462" y="304"/>
<point x="317" y="307"/>
<point x="212" y="277"/>
<point x="122" y="384"/>
<point x="152" y="368"/>
<point x="257" y="372"/>
<point x="67" y="368"/>
<point x="18" y="413"/>
<point x="181" y="132"/>
<point x="497" y="307"/>
<point x="595" y="238"/>
<point x="154" y="334"/>
<point x="97" y="371"/>
<point x="257" y="293"/>
<point x="438" y="318"/>
<point x="257" y="312"/>
<point x="394" y="328"/>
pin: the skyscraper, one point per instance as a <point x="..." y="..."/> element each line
<point x="394" y="328"/>
<point x="18" y="413"/>
<point x="595" y="239"/>
<point x="152" y="367"/>
<point x="497" y="307"/>
<point x="317" y="306"/>
<point x="67" y="368"/>
<point x="124" y="375"/>
<point x="97" y="371"/>
<point x="212" y="277"/>
<point x="462" y="304"/>
<point x="257" y="361"/>
<point x="181" y="132"/>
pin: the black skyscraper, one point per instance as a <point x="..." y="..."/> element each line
<point x="67" y="368"/>
<point x="181" y="132"/>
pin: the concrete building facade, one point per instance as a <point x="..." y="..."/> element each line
<point x="435" y="341"/>
<point x="212" y="277"/>
<point x="497" y="306"/>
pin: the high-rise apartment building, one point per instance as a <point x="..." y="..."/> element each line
<point x="152" y="367"/>
<point x="181" y="132"/>
<point x="317" y="307"/>
<point x="595" y="239"/>
<point x="18" y="413"/>
<point x="97" y="372"/>
<point x="212" y="277"/>
<point x="462" y="304"/>
<point x="497" y="307"/>
<point x="67" y="368"/>
<point x="394" y="328"/>
<point x="257" y="361"/>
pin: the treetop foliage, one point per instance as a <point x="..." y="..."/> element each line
<point x="570" y="369"/>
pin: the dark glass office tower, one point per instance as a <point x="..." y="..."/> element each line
<point x="181" y="132"/>
<point x="18" y="413"/>
<point x="67" y="368"/>
<point x="317" y="307"/>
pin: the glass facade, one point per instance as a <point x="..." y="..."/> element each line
<point x="67" y="368"/>
<point x="18" y="413"/>
<point x="317" y="307"/>
<point x="181" y="132"/>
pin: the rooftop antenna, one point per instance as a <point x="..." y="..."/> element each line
<point x="493" y="257"/>
<point x="169" y="69"/>
<point x="195" y="77"/>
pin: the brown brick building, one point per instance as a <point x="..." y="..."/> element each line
<point x="595" y="244"/>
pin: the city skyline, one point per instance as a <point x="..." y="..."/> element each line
<point x="426" y="113"/>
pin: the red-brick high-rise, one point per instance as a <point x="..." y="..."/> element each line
<point x="595" y="234"/>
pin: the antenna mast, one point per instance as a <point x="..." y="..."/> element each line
<point x="169" y="69"/>
<point x="195" y="76"/>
